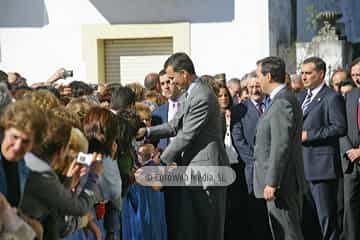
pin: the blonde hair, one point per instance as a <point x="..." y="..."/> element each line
<point x="142" y="110"/>
<point x="80" y="106"/>
<point x="138" y="89"/>
<point x="77" y="143"/>
<point x="44" y="99"/>
<point x="66" y="115"/>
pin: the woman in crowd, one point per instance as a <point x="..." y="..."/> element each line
<point x="45" y="197"/>
<point x="102" y="131"/>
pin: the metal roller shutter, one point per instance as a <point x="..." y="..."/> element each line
<point x="129" y="60"/>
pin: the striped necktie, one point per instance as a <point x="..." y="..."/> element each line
<point x="307" y="101"/>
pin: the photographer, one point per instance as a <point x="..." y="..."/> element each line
<point x="45" y="197"/>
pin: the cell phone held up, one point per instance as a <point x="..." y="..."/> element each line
<point x="68" y="73"/>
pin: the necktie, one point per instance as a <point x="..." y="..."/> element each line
<point x="358" y="113"/>
<point x="260" y="108"/>
<point x="307" y="101"/>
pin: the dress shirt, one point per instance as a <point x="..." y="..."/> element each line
<point x="173" y="107"/>
<point x="276" y="91"/>
<point x="316" y="91"/>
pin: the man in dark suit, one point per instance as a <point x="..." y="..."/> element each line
<point x="167" y="111"/>
<point x="198" y="140"/>
<point x="350" y="154"/>
<point x="278" y="168"/>
<point x="244" y="118"/>
<point x="324" y="122"/>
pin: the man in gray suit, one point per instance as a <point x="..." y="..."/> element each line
<point x="278" y="167"/>
<point x="198" y="140"/>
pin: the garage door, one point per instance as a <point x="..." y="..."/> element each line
<point x="129" y="60"/>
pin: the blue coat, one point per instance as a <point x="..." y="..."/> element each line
<point x="324" y="121"/>
<point x="160" y="116"/>
<point x="23" y="173"/>
<point x="244" y="119"/>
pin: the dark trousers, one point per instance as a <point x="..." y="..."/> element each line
<point x="258" y="219"/>
<point x="351" y="224"/>
<point x="236" y="219"/>
<point x="324" y="195"/>
<point x="285" y="217"/>
<point x="201" y="213"/>
<point x="171" y="196"/>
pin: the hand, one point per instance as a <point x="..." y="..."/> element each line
<point x="156" y="157"/>
<point x="304" y="136"/>
<point x="269" y="193"/>
<point x="353" y="154"/>
<point x="96" y="164"/>
<point x="141" y="133"/>
<point x="57" y="75"/>
<point x="4" y="204"/>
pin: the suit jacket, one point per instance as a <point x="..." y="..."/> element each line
<point x="278" y="159"/>
<point x="244" y="119"/>
<point x="197" y="127"/>
<point x="324" y="122"/>
<point x="352" y="138"/>
<point x="160" y="116"/>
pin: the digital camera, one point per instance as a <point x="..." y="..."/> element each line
<point x="84" y="159"/>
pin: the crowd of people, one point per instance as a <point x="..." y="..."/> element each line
<point x="292" y="140"/>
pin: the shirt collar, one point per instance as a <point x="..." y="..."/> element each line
<point x="172" y="102"/>
<point x="191" y="87"/>
<point x="256" y="104"/>
<point x="317" y="89"/>
<point x="276" y="91"/>
<point x="36" y="164"/>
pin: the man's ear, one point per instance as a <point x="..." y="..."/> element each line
<point x="269" y="78"/>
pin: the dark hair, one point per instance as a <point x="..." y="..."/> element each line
<point x="222" y="86"/>
<point x="5" y="96"/>
<point x="180" y="61"/>
<point x="122" y="98"/>
<point x="347" y="82"/>
<point x="101" y="128"/>
<point x="354" y="62"/>
<point x="162" y="72"/>
<point x="320" y="65"/>
<point x="151" y="80"/>
<point x="52" y="89"/>
<point x="79" y="88"/>
<point x="273" y="65"/>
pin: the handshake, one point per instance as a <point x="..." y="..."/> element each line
<point x="141" y="133"/>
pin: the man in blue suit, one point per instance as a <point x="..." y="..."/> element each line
<point x="244" y="117"/>
<point x="324" y="123"/>
<point x="166" y="112"/>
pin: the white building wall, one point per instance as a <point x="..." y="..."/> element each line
<point x="219" y="45"/>
<point x="232" y="47"/>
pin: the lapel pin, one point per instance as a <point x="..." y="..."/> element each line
<point x="319" y="99"/>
